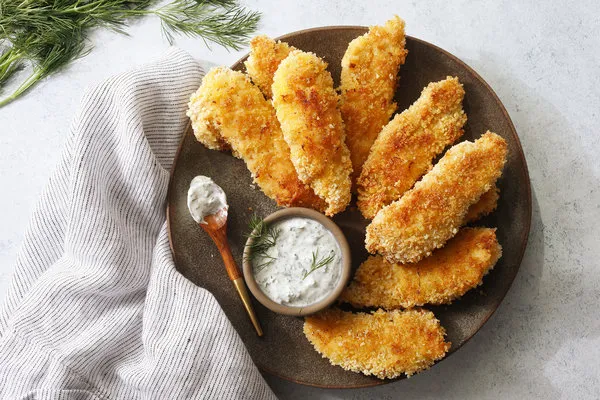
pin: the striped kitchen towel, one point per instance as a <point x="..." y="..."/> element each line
<point x="96" y="309"/>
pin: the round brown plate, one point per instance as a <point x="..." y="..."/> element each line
<point x="284" y="351"/>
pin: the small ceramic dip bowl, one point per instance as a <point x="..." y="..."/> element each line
<point x="314" y="272"/>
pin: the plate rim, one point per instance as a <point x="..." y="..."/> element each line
<point x="521" y="155"/>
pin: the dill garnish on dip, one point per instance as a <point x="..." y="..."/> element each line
<point x="295" y="261"/>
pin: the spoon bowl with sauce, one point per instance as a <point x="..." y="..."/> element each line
<point x="296" y="262"/>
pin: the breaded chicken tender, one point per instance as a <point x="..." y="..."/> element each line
<point x="431" y="213"/>
<point x="306" y="106"/>
<point x="486" y="204"/>
<point x="406" y="147"/>
<point x="228" y="106"/>
<point x="384" y="344"/>
<point x="438" y="279"/>
<point x="368" y="82"/>
<point x="206" y="127"/>
<point x="265" y="56"/>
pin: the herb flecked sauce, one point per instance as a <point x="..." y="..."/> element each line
<point x="288" y="279"/>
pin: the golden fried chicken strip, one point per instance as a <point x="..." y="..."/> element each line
<point x="265" y="56"/>
<point x="431" y="213"/>
<point x="384" y="344"/>
<point x="368" y="81"/>
<point x="205" y="126"/>
<point x="486" y="204"/>
<point x="306" y="106"/>
<point x="230" y="106"/>
<point x="406" y="147"/>
<point x="438" y="279"/>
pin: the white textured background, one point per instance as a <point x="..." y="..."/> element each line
<point x="543" y="60"/>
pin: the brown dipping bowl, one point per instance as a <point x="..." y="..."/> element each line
<point x="335" y="293"/>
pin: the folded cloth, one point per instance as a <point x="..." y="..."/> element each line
<point x="96" y="309"/>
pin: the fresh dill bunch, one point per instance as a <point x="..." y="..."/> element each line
<point x="46" y="55"/>
<point x="50" y="34"/>
<point x="221" y="22"/>
<point x="263" y="237"/>
<point x="317" y="263"/>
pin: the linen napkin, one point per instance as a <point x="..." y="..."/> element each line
<point x="96" y="309"/>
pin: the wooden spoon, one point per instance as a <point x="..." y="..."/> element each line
<point x="216" y="227"/>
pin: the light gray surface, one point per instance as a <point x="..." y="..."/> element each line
<point x="543" y="60"/>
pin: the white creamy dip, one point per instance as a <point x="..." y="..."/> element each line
<point x="205" y="197"/>
<point x="284" y="280"/>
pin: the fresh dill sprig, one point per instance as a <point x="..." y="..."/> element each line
<point x="49" y="34"/>
<point x="318" y="263"/>
<point x="8" y="66"/>
<point x="221" y="22"/>
<point x="263" y="237"/>
<point x="266" y="263"/>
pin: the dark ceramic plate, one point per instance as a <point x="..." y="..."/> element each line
<point x="284" y="351"/>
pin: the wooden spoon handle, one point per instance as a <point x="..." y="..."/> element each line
<point x="238" y="281"/>
<point x="233" y="271"/>
<point x="220" y="238"/>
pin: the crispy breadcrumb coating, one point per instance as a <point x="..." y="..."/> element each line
<point x="206" y="127"/>
<point x="431" y="213"/>
<point x="368" y="82"/>
<point x="306" y="106"/>
<point x="438" y="279"/>
<point x="384" y="344"/>
<point x="227" y="104"/>
<point x="486" y="205"/>
<point x="406" y="147"/>
<point x="265" y="56"/>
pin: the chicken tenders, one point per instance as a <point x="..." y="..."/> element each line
<point x="406" y="147"/>
<point x="228" y="110"/>
<point x="438" y="279"/>
<point x="368" y="81"/>
<point x="384" y="344"/>
<point x="265" y="56"/>
<point x="431" y="213"/>
<point x="306" y="106"/>
<point x="486" y="204"/>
